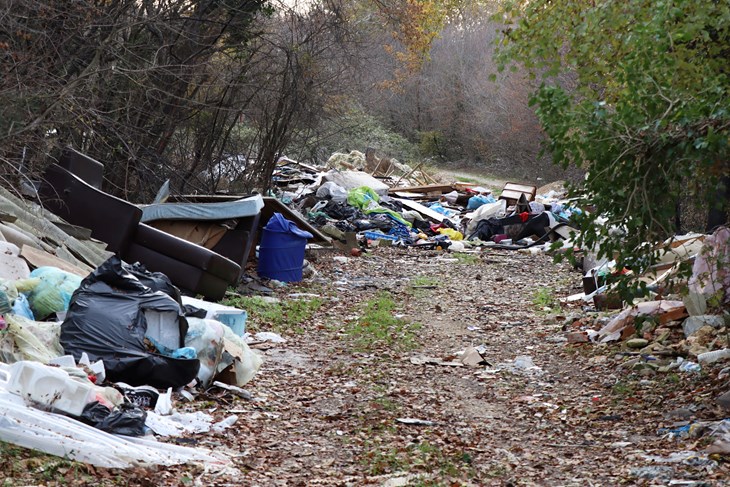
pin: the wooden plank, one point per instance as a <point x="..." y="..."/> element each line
<point x="509" y="194"/>
<point x="429" y="188"/>
<point x="7" y="217"/>
<point x="461" y="186"/>
<point x="12" y="267"/>
<point x="513" y="191"/>
<point x="522" y="188"/>
<point x="423" y="210"/>
<point x="39" y="258"/>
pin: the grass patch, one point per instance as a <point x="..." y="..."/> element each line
<point x="422" y="286"/>
<point x="378" y="327"/>
<point x="424" y="281"/>
<point x="544" y="298"/>
<point x="22" y="466"/>
<point x="466" y="259"/>
<point x="281" y="317"/>
<point x="623" y="389"/>
<point x="424" y="457"/>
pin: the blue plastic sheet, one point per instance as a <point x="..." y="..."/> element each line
<point x="479" y="200"/>
<point x="278" y="223"/>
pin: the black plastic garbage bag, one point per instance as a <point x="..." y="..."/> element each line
<point x="106" y="320"/>
<point x="157" y="281"/>
<point x="126" y="419"/>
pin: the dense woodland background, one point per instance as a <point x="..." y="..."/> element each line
<point x="189" y="90"/>
<point x="630" y="97"/>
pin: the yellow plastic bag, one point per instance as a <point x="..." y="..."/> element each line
<point x="451" y="233"/>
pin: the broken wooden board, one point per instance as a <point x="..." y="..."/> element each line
<point x="430" y="188"/>
<point x="513" y="191"/>
<point x="462" y="186"/>
<point x="423" y="210"/>
<point x="34" y="220"/>
<point x="404" y="194"/>
<point x="39" y="258"/>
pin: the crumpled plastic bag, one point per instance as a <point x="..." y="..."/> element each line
<point x="246" y="362"/>
<point x="367" y="200"/>
<point x="8" y="295"/>
<point x="711" y="269"/>
<point x="206" y="337"/>
<point x="126" y="419"/>
<point x="24" y="339"/>
<point x="108" y="320"/>
<point x="451" y="233"/>
<point x="21" y="307"/>
<point x="219" y="348"/>
<point x="336" y="192"/>
<point x="49" y="290"/>
<point x="479" y="200"/>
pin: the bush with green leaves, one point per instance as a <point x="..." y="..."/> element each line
<point x="636" y="93"/>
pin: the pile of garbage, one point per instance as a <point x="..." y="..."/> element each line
<point x="84" y="360"/>
<point x="675" y="327"/>
<point x="352" y="205"/>
<point x="691" y="324"/>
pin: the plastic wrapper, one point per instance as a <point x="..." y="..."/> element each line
<point x="67" y="438"/>
<point x="332" y="190"/>
<point x="49" y="290"/>
<point x="106" y="319"/>
<point x="8" y="294"/>
<point x="21" y="307"/>
<point x="220" y="350"/>
<point x="206" y="337"/>
<point x="246" y="362"/>
<point x="24" y="339"/>
<point x="126" y="419"/>
<point x="367" y="200"/>
<point x="451" y="233"/>
<point x="479" y="200"/>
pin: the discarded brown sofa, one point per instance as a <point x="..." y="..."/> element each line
<point x="116" y="222"/>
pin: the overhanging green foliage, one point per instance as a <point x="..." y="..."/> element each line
<point x="636" y="93"/>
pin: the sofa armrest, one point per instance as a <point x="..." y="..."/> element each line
<point x="187" y="253"/>
<point x="110" y="219"/>
<point x="87" y="169"/>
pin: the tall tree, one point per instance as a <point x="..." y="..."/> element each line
<point x="114" y="78"/>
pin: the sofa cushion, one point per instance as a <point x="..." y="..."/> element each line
<point x="187" y="252"/>
<point x="187" y="277"/>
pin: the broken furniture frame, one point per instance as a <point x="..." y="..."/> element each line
<point x="117" y="222"/>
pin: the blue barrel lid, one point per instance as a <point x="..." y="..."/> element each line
<point x="277" y="223"/>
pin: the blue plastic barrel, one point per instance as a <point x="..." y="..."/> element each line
<point x="281" y="252"/>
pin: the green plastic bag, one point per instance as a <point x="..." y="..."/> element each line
<point x="49" y="290"/>
<point x="8" y="294"/>
<point x="367" y="200"/>
<point x="362" y="197"/>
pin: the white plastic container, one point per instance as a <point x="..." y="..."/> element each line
<point x="50" y="386"/>
<point x="710" y="357"/>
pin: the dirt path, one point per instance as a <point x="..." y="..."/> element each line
<point x="328" y="401"/>
<point x="331" y="398"/>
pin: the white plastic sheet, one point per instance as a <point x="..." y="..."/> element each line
<point x="64" y="437"/>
